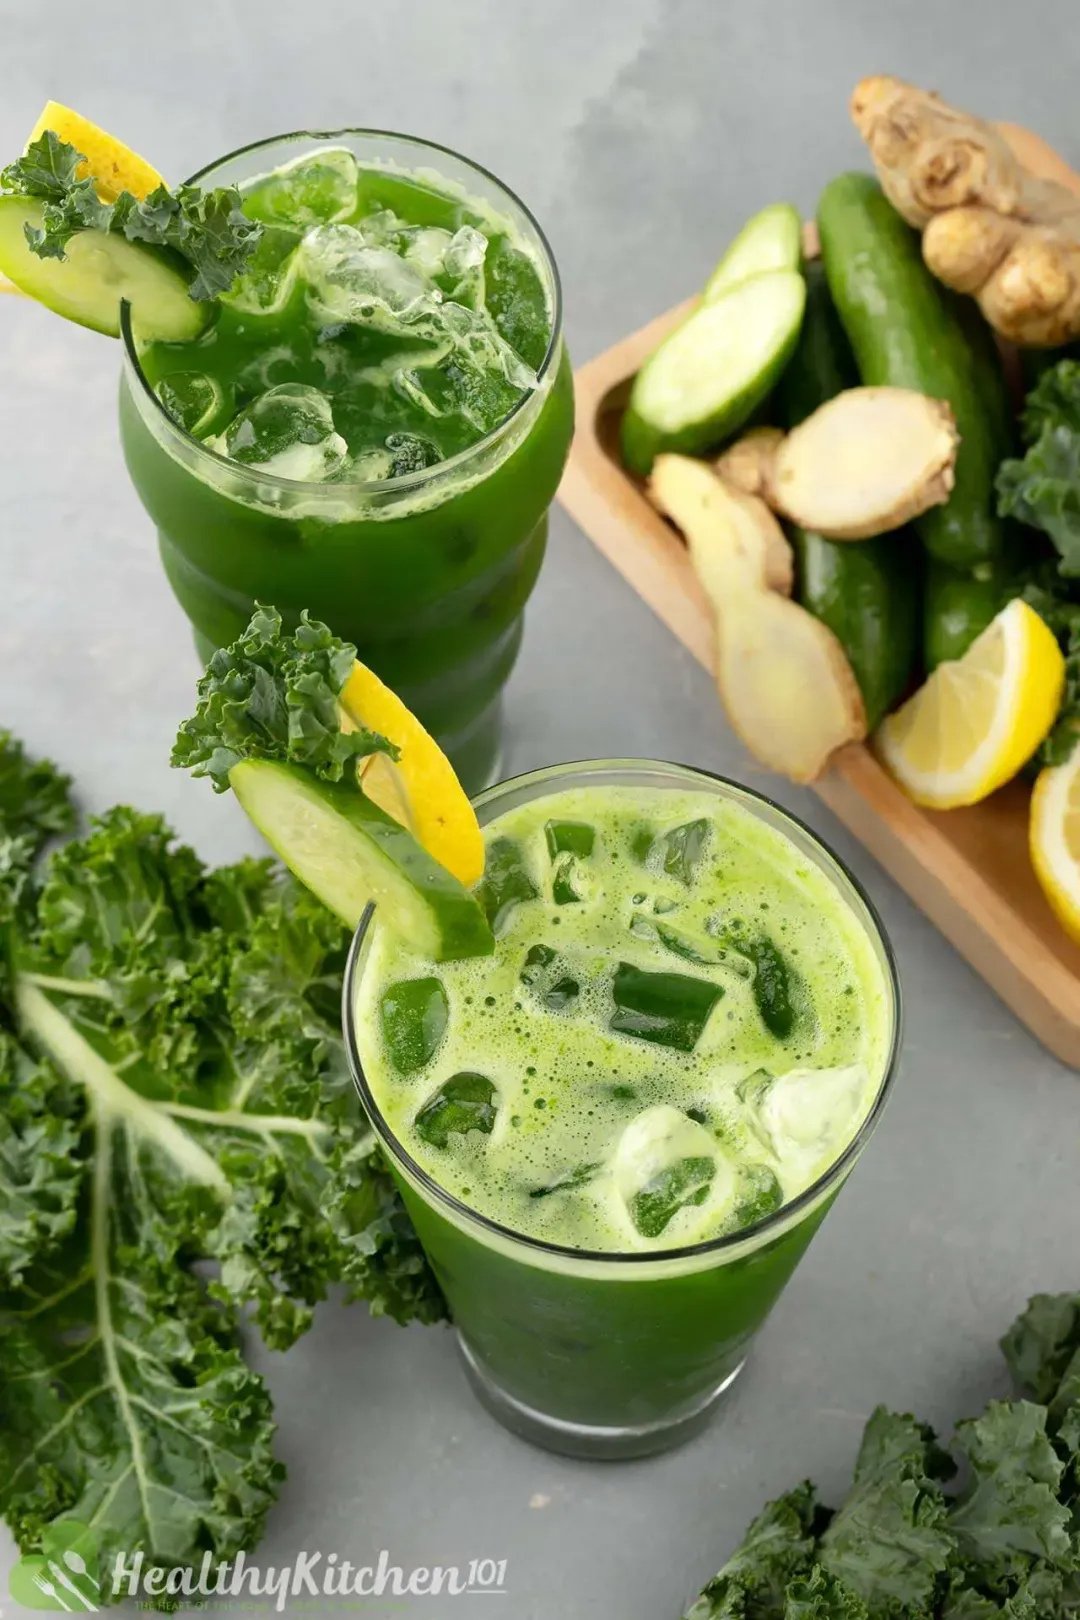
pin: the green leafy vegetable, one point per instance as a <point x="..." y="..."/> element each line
<point x="1042" y="488"/>
<point x="207" y="228"/>
<point x="1046" y="594"/>
<point x="1006" y="1546"/>
<point x="173" y="1091"/>
<point x="275" y="695"/>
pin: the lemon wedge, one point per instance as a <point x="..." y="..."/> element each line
<point x="977" y="719"/>
<point x="114" y="166"/>
<point x="1055" y="839"/>
<point x="419" y="790"/>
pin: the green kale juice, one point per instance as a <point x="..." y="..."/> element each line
<point x="654" y="1087"/>
<point x="373" y="425"/>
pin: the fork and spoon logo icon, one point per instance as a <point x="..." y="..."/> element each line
<point x="64" y="1576"/>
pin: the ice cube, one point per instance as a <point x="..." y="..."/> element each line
<point x="543" y="973"/>
<point x="465" y="1102"/>
<point x="757" y="1193"/>
<point x="806" y="1117"/>
<point x="665" y="1166"/>
<point x="570" y="838"/>
<point x="670" y="1009"/>
<point x="266" y="287"/>
<point x="563" y="890"/>
<point x="454" y="262"/>
<point x="289" y="432"/>
<point x="316" y="189"/>
<point x="351" y="279"/>
<point x="506" y="883"/>
<point x="413" y="1016"/>
<point x="515" y="296"/>
<point x="410" y="453"/>
<point x="683" y="848"/>
<point x="196" y="402"/>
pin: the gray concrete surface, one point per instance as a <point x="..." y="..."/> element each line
<point x="642" y="132"/>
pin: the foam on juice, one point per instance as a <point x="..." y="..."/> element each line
<point x="682" y="1026"/>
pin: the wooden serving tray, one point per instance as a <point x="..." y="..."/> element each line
<point x="968" y="870"/>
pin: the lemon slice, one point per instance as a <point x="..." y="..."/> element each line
<point x="979" y="718"/>
<point x="114" y="166"/>
<point x="1055" y="839"/>
<point x="419" y="790"/>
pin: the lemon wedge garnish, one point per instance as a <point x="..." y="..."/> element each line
<point x="977" y="719"/>
<point x="1055" y="839"/>
<point x="419" y="789"/>
<point x="114" y="166"/>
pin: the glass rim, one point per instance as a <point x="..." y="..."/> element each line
<point x="780" y="1218"/>
<point x="410" y="482"/>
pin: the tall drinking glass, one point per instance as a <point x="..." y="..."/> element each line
<point x="427" y="573"/>
<point x="618" y="1354"/>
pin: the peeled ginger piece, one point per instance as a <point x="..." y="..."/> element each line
<point x="866" y="462"/>
<point x="782" y="675"/>
<point x="759" y="534"/>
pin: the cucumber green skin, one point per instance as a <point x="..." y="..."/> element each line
<point x="908" y="331"/>
<point x="754" y="250"/>
<point x="958" y="607"/>
<point x="462" y="928"/>
<point x="642" y="442"/>
<point x="866" y="591"/>
<point x="27" y="271"/>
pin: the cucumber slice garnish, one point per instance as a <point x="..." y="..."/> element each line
<point x="99" y="271"/>
<point x="772" y="240"/>
<point x="348" y="852"/>
<point x="714" y="370"/>
<point x="197" y="403"/>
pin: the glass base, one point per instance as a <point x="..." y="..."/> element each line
<point x="594" y="1443"/>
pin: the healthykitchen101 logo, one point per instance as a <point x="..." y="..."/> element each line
<point x="67" y="1576"/>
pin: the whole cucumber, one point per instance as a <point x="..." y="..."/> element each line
<point x="866" y="591"/>
<point x="958" y="606"/>
<point x="908" y="331"/>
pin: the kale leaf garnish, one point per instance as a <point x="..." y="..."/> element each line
<point x="207" y="228"/>
<point x="275" y="695"/>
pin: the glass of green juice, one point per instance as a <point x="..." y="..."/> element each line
<point x="373" y="424"/>
<point x="617" y="1135"/>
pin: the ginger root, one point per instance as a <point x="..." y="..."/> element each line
<point x="746" y="465"/>
<point x="783" y="678"/>
<point x="752" y="521"/>
<point x="865" y="462"/>
<point x="990" y="226"/>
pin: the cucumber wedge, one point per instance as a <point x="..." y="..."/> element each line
<point x="348" y="852"/>
<point x="772" y="240"/>
<point x="99" y="271"/>
<point x="714" y="370"/>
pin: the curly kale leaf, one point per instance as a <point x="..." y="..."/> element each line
<point x="42" y="1164"/>
<point x="823" y="1597"/>
<point x="1042" y="1348"/>
<point x="208" y="229"/>
<point x="1009" y="1519"/>
<point x="1054" y="401"/>
<point x="777" y="1548"/>
<point x="276" y="695"/>
<point x="1047" y="595"/>
<point x="889" y="1542"/>
<point x="173" y="1090"/>
<point x="1042" y="488"/>
<point x="35" y="806"/>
